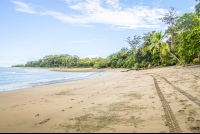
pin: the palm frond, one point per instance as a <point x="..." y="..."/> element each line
<point x="155" y="50"/>
<point x="152" y="46"/>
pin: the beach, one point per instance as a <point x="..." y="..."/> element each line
<point x="123" y="101"/>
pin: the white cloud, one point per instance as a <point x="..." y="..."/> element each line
<point x="192" y="8"/>
<point x="91" y="56"/>
<point x="157" y="4"/>
<point x="113" y="4"/>
<point x="129" y="18"/>
<point x="92" y="11"/>
<point x="22" y="7"/>
<point x="86" y="25"/>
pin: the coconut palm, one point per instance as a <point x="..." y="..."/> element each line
<point x="162" y="47"/>
<point x="147" y="41"/>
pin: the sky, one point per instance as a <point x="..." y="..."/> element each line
<point x="32" y="29"/>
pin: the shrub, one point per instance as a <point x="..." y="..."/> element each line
<point x="149" y="66"/>
<point x="97" y="65"/>
<point x="195" y="60"/>
<point x="137" y="65"/>
<point x="156" y="64"/>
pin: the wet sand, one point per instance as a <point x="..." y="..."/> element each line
<point x="154" y="100"/>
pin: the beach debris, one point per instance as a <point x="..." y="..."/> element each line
<point x="44" y="121"/>
<point x="37" y="115"/>
<point x="79" y="130"/>
<point x="63" y="110"/>
<point x="70" y="107"/>
<point x="149" y="66"/>
<point x="92" y="103"/>
<point x="72" y="99"/>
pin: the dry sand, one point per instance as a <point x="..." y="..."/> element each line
<point x="129" y="101"/>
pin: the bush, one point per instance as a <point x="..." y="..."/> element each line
<point x="156" y="64"/>
<point x="147" y="64"/>
<point x="195" y="60"/>
<point x="164" y="65"/>
<point x="137" y="65"/>
<point x="178" y="64"/>
<point x="97" y="65"/>
<point x="143" y="63"/>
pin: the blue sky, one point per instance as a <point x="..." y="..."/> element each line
<point x="32" y="29"/>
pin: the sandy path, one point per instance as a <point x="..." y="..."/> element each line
<point x="118" y="102"/>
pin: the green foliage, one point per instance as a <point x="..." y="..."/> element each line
<point x="187" y="22"/>
<point x="18" y="65"/>
<point x="136" y="66"/>
<point x="156" y="58"/>
<point x="171" y="20"/>
<point x="197" y="9"/>
<point x="97" y="65"/>
<point x="195" y="60"/>
<point x="190" y="48"/>
<point x="135" y="42"/>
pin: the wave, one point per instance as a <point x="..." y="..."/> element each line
<point x="31" y="71"/>
<point x="27" y="84"/>
<point x="8" y="72"/>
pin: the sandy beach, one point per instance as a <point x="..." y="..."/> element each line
<point x="153" y="100"/>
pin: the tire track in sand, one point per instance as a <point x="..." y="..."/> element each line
<point x="190" y="97"/>
<point x="171" y="119"/>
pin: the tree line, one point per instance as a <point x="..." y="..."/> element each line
<point x="182" y="46"/>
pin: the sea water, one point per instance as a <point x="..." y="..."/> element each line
<point x="18" y="78"/>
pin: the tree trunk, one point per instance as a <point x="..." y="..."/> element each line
<point x="175" y="57"/>
<point x="172" y="40"/>
<point x="160" y="53"/>
<point x="199" y="58"/>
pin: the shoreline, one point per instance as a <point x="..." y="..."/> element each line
<point x="122" y="101"/>
<point x="37" y="83"/>
<point x="68" y="69"/>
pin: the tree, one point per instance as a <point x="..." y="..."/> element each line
<point x="197" y="9"/>
<point x="190" y="47"/>
<point x="170" y="19"/>
<point x="161" y="46"/>
<point x="135" y="42"/>
<point x="147" y="41"/>
<point x="186" y="22"/>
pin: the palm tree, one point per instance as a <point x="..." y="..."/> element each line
<point x="161" y="46"/>
<point x="147" y="41"/>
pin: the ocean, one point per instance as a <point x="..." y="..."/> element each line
<point x="18" y="78"/>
